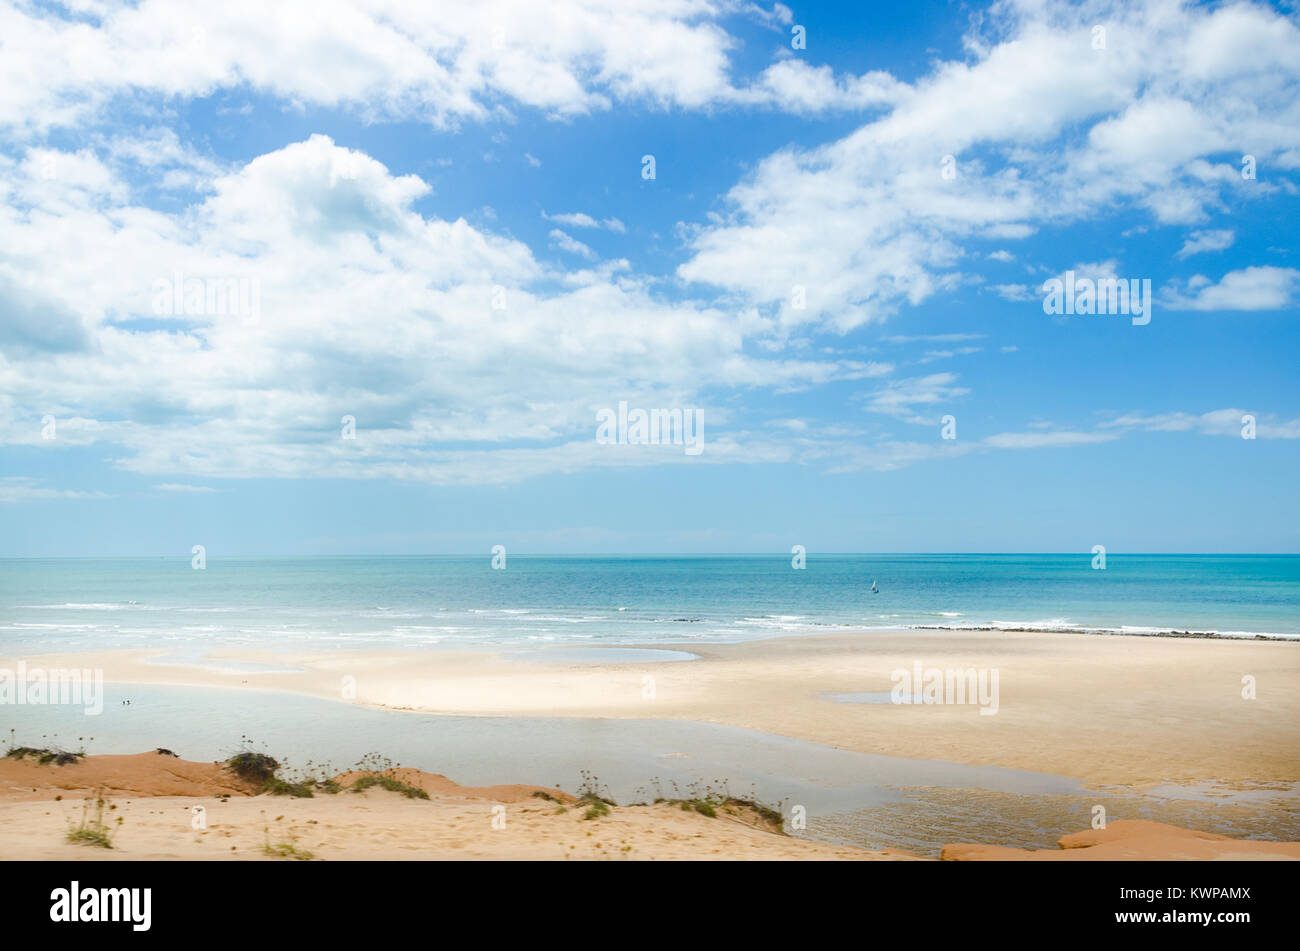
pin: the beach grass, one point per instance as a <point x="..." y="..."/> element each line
<point x="91" y="829"/>
<point x="391" y="784"/>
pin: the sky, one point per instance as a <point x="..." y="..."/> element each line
<point x="361" y="278"/>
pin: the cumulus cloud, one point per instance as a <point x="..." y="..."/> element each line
<point x="460" y="356"/>
<point x="440" y="63"/>
<point x="570" y="244"/>
<point x="1201" y="242"/>
<point x="1035" y="129"/>
<point x="795" y="86"/>
<point x="466" y="356"/>
<point x="1251" y="288"/>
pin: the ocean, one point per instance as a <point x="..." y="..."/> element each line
<point x="459" y="602"/>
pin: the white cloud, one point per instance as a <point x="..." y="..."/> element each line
<point x="931" y="338"/>
<point x="795" y="86"/>
<point x="1015" y="292"/>
<point x="1251" y="288"/>
<point x="20" y="489"/>
<point x="900" y="398"/>
<point x="570" y="244"/>
<point x="1043" y="130"/>
<point x="1047" y="440"/>
<point x="441" y="63"/>
<point x="1202" y="241"/>
<point x="1219" y="422"/>
<point x="366" y="308"/>
<point x="794" y="425"/>
<point x="580" y="219"/>
<point x="932" y="355"/>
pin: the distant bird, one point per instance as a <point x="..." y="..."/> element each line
<point x="874" y="589"/>
<point x="126" y="703"/>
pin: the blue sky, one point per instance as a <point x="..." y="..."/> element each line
<point x="912" y="177"/>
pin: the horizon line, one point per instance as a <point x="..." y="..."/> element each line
<point x="664" y="554"/>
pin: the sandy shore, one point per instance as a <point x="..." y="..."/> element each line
<point x="158" y="806"/>
<point x="156" y="798"/>
<point x="1133" y="711"/>
<point x="1134" y="840"/>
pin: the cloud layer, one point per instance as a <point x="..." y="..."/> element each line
<point x="229" y="331"/>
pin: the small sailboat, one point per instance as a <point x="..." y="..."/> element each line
<point x="874" y="589"/>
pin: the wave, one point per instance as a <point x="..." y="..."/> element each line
<point x="1061" y="627"/>
<point x="92" y="606"/>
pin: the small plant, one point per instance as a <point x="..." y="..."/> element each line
<point x="276" y="786"/>
<point x="594" y="795"/>
<point x="708" y="798"/>
<point x="253" y="767"/>
<point x="91" y="829"/>
<point x="45" y="755"/>
<point x="262" y="770"/>
<point x="381" y="771"/>
<point x="593" y="789"/>
<point x="288" y="849"/>
<point x="390" y="783"/>
<point x="319" y="777"/>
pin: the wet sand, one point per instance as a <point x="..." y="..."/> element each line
<point x="1153" y="729"/>
<point x="1100" y="709"/>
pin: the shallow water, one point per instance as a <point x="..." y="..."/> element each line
<point x="855" y="798"/>
<point x="627" y="756"/>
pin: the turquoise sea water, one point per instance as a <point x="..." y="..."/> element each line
<point x="459" y="602"/>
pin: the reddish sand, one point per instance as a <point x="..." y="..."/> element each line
<point x="1132" y="839"/>
<point x="153" y="797"/>
<point x="152" y="801"/>
<point x="142" y="774"/>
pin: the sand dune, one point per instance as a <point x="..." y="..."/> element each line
<point x="140" y="775"/>
<point x="156" y="797"/>
<point x="153" y="804"/>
